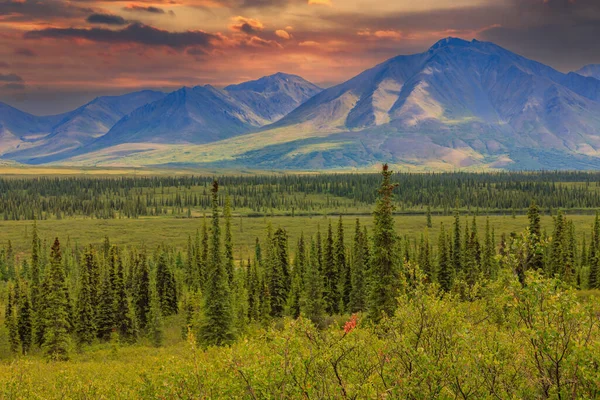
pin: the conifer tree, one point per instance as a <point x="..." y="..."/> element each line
<point x="384" y="284"/>
<point x="342" y="267"/>
<point x="217" y="326"/>
<point x="330" y="274"/>
<point x="11" y="322"/>
<point x="457" y="255"/>
<point x="24" y="319"/>
<point x="536" y="258"/>
<point x="445" y="273"/>
<point x="123" y="317"/>
<point x="141" y="295"/>
<point x="425" y="257"/>
<point x="429" y="223"/>
<point x="312" y="304"/>
<point x="85" y="321"/>
<point x="594" y="254"/>
<point x="278" y="274"/>
<point x="228" y="240"/>
<point x="487" y="257"/>
<point x="56" y="317"/>
<point x="358" y="294"/>
<point x="254" y="290"/>
<point x="105" y="321"/>
<point x="166" y="289"/>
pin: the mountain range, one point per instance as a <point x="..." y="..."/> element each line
<point x="460" y="104"/>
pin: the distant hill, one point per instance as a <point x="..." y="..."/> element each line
<point x="592" y="71"/>
<point x="460" y="104"/>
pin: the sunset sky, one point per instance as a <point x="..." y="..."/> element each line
<point x="58" y="54"/>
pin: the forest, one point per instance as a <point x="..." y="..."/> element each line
<point x="460" y="306"/>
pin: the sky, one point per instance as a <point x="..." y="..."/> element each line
<point x="56" y="55"/>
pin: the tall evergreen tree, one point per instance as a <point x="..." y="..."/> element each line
<point x="330" y="274"/>
<point x="217" y="326"/>
<point x="155" y="322"/>
<point x="457" y="255"/>
<point x="594" y="254"/>
<point x="56" y="318"/>
<point x="384" y="284"/>
<point x="166" y="289"/>
<point x="312" y="304"/>
<point x="10" y="321"/>
<point x="124" y="318"/>
<point x="85" y="320"/>
<point x="228" y="241"/>
<point x="342" y="267"/>
<point x="536" y="256"/>
<point x="445" y="273"/>
<point x="24" y="319"/>
<point x="278" y="275"/>
<point x="358" y="294"/>
<point x="141" y="293"/>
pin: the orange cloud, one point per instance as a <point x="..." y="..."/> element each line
<point x="308" y="43"/>
<point x="381" y="34"/>
<point x="283" y="34"/>
<point x="320" y="3"/>
<point x="248" y="26"/>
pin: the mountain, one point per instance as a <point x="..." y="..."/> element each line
<point x="273" y="97"/>
<point x="18" y="128"/>
<point x="79" y="127"/>
<point x="592" y="71"/>
<point x="205" y="114"/>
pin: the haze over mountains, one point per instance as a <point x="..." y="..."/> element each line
<point x="460" y="104"/>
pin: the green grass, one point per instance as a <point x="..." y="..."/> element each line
<point x="154" y="231"/>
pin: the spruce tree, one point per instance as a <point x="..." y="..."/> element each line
<point x="594" y="254"/>
<point x="217" y="324"/>
<point x="342" y="268"/>
<point x="358" y="294"/>
<point x="312" y="304"/>
<point x="85" y="321"/>
<point x="10" y="321"/>
<point x="445" y="273"/>
<point x="429" y="223"/>
<point x="384" y="284"/>
<point x="166" y="289"/>
<point x="141" y="293"/>
<point x="105" y="316"/>
<point x="457" y="255"/>
<point x="56" y="335"/>
<point x="124" y="319"/>
<point x="228" y="240"/>
<point x="278" y="274"/>
<point x="536" y="256"/>
<point x="24" y="319"/>
<point x="330" y="274"/>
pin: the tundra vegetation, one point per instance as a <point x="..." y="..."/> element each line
<point x="460" y="306"/>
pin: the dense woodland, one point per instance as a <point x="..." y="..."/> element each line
<point x="366" y="313"/>
<point x="132" y="197"/>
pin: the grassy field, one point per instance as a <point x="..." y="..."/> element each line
<point x="153" y="231"/>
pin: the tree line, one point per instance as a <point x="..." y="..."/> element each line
<point x="133" y="197"/>
<point x="69" y="297"/>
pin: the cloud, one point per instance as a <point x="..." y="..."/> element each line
<point x="134" y="33"/>
<point x="25" y="52"/>
<point x="248" y="26"/>
<point x="282" y="34"/>
<point x="4" y="65"/>
<point x="27" y="10"/>
<point x="385" y="34"/>
<point x="11" y="78"/>
<point x="320" y="3"/>
<point x="106" y="19"/>
<point x="309" y="43"/>
<point x="144" y="9"/>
